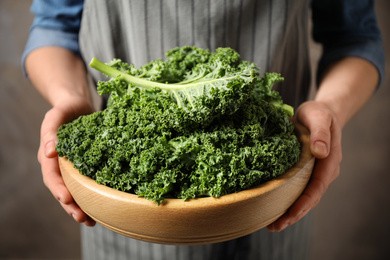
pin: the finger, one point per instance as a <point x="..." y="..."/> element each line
<point x="324" y="173"/>
<point x="78" y="215"/>
<point x="52" y="121"/>
<point x="52" y="178"/>
<point x="305" y="203"/>
<point x="54" y="182"/>
<point x="319" y="121"/>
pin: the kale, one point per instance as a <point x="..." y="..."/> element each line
<point x="198" y="124"/>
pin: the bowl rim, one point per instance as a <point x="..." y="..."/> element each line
<point x="306" y="160"/>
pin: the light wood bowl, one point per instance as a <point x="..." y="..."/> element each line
<point x="193" y="222"/>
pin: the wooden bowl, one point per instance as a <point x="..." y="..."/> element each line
<point x="193" y="222"/>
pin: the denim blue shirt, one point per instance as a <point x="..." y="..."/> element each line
<point x="56" y="23"/>
<point x="343" y="27"/>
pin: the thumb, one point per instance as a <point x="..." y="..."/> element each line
<point x="319" y="121"/>
<point x="49" y="128"/>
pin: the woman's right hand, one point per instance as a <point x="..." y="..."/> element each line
<point x="60" y="77"/>
<point x="48" y="157"/>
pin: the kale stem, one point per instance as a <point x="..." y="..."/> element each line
<point x="138" y="82"/>
<point x="114" y="73"/>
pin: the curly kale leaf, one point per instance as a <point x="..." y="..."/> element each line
<point x="195" y="78"/>
<point x="198" y="124"/>
<point x="265" y="92"/>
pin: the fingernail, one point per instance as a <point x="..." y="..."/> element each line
<point x="50" y="148"/>
<point x="74" y="216"/>
<point x="320" y="148"/>
<point x="284" y="226"/>
<point x="61" y="200"/>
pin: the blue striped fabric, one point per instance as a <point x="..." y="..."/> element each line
<point x="291" y="244"/>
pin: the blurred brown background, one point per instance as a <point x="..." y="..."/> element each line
<point x="351" y="222"/>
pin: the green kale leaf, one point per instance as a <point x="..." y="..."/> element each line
<point x="198" y="124"/>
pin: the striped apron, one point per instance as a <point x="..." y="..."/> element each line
<point x="271" y="33"/>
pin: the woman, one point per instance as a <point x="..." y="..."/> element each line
<point x="273" y="34"/>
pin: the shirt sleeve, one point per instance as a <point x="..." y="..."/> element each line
<point x="347" y="28"/>
<point x="56" y="23"/>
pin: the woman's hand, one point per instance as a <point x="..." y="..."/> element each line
<point x="47" y="155"/>
<point x="346" y="86"/>
<point x="60" y="77"/>
<point x="325" y="145"/>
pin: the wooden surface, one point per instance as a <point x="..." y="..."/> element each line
<point x="194" y="222"/>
